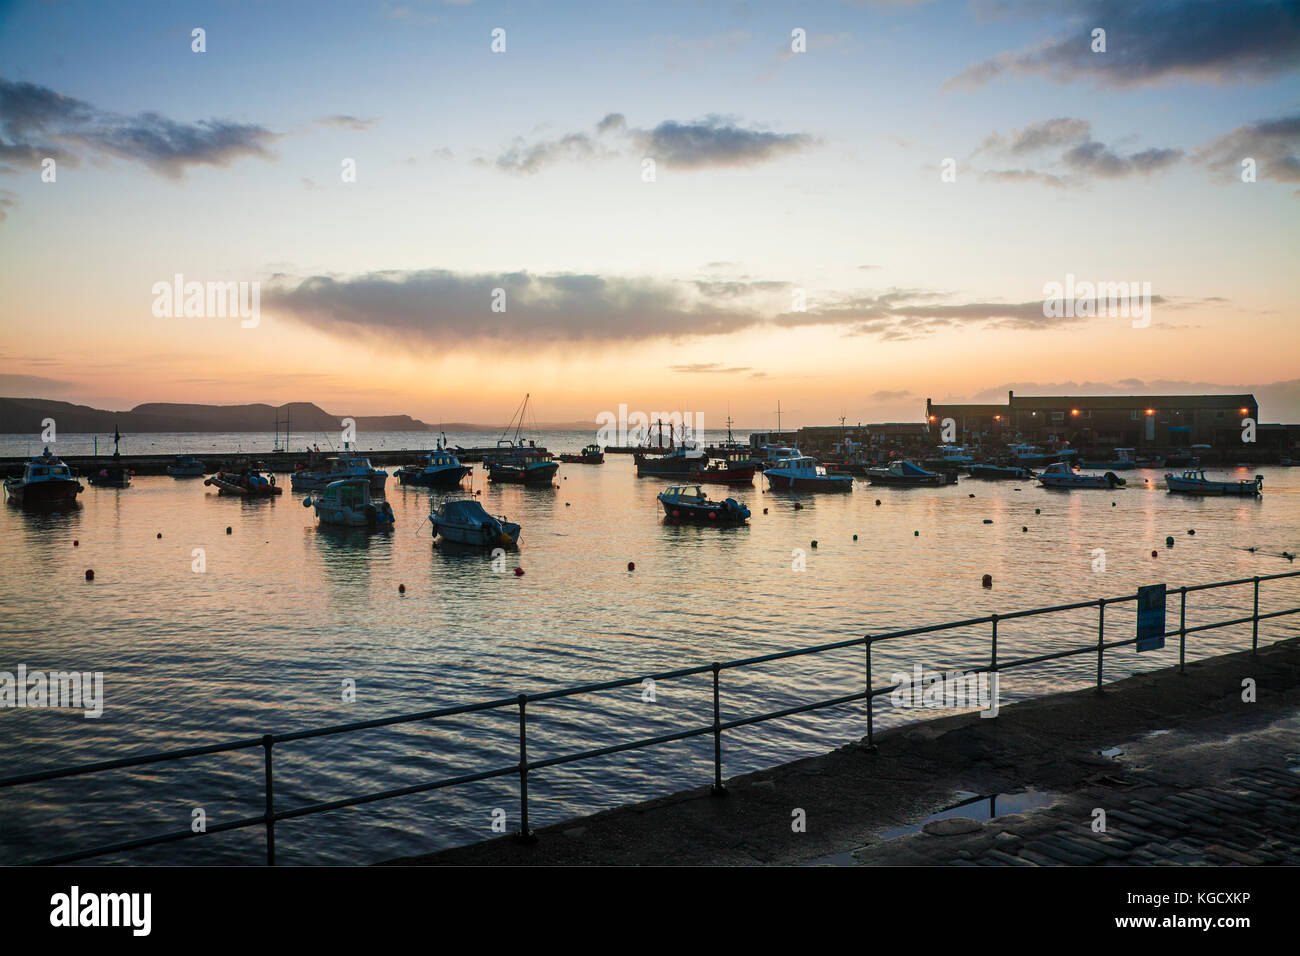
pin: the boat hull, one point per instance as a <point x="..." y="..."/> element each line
<point x="38" y="493"/>
<point x="880" y="478"/>
<point x="714" y="512"/>
<point x="780" y="482"/>
<point x="1184" y="486"/>
<point x="540" y="474"/>
<point x="441" y="478"/>
<point x="375" y="517"/>
<point x="743" y="475"/>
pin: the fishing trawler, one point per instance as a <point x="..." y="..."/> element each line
<point x="518" y="462"/>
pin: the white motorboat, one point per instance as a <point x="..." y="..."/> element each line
<point x="347" y="502"/>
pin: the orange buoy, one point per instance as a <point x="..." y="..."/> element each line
<point x="227" y="529"/>
<point x="712" y="515"/>
<point x="519" y="572"/>
<point x="631" y="565"/>
<point x="987" y="581"/>
<point x="76" y="544"/>
<point x="877" y="502"/>
<point x="160" y="534"/>
<point x="401" y="589"/>
<point x="1155" y="554"/>
<point x="90" y="575"/>
<point x="676" y="513"/>
<point x="764" y="511"/>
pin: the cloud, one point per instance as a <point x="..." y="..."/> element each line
<point x="1203" y="40"/>
<point x="1094" y="158"/>
<point x="436" y="308"/>
<point x="354" y="124"/>
<point x="712" y="368"/>
<point x="36" y="122"/>
<point x="712" y="142"/>
<point x="1273" y="144"/>
<point x="21" y="385"/>
<point x="1083" y="157"/>
<point x="716" y="142"/>
<point x="8" y="200"/>
<point x="1045" y="133"/>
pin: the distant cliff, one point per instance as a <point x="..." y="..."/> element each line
<point x="20" y="416"/>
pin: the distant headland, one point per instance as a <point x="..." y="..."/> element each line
<point x="20" y="416"/>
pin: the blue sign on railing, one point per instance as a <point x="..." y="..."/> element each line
<point x="1151" y="617"/>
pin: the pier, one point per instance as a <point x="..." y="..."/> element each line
<point x="280" y="462"/>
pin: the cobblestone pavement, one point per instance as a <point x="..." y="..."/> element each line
<point x="1159" y="811"/>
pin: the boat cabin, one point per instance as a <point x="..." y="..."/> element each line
<point x="686" y="493"/>
<point x="348" y="493"/>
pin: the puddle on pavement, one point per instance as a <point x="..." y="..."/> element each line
<point x="973" y="808"/>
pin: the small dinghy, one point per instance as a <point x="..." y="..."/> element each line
<point x="465" y="521"/>
<point x="347" y="502"/>
<point x="1195" y="483"/>
<point x="689" y="502"/>
<point x="1062" y="475"/>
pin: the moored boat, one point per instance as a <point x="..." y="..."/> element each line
<point x="438" y="469"/>
<point x="905" y="473"/>
<point x="186" y="466"/>
<point x="689" y="502"/>
<point x="245" y="483"/>
<point x="45" y="480"/>
<point x="679" y="463"/>
<point x="591" y="455"/>
<point x="1125" y="460"/>
<point x="347" y="502"/>
<point x="734" y="468"/>
<point x="1194" y="482"/>
<point x="336" y="468"/>
<point x="804" y="473"/>
<point x="114" y="474"/>
<point x="1000" y="471"/>
<point x="521" y="464"/>
<point x="465" y="521"/>
<point x="949" y="458"/>
<point x="1062" y="475"/>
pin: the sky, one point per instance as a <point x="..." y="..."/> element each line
<point x="661" y="205"/>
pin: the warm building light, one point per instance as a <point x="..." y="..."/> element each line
<point x="997" y="418"/>
<point x="1244" y="411"/>
<point x="1151" y="411"/>
<point x="931" y="418"/>
<point x="1074" y="411"/>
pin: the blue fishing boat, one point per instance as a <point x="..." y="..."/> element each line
<point x="906" y="473"/>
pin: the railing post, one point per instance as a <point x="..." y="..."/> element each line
<point x="718" y="790"/>
<point x="1101" y="638"/>
<point x="267" y="741"/>
<point x="1254" y="624"/>
<point x="871" y="701"/>
<point x="525" y="835"/>
<point x="1182" y="630"/>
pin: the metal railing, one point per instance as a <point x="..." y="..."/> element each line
<point x="271" y="816"/>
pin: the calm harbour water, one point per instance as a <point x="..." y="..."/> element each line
<point x="286" y="611"/>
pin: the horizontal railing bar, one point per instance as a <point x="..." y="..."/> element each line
<point x="619" y="748"/>
<point x="142" y="842"/>
<point x="388" y="794"/>
<point x="789" y="711"/>
<point x="141" y="760"/>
